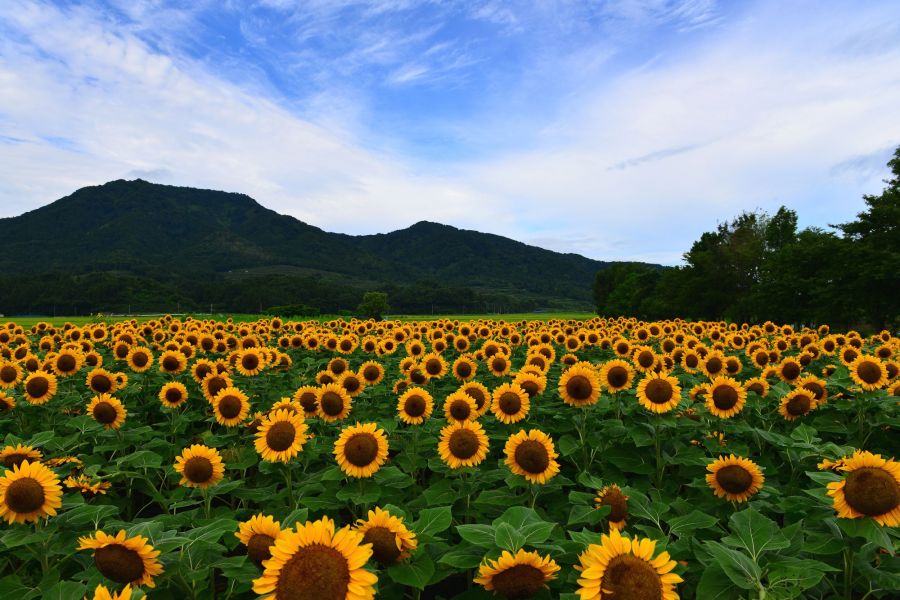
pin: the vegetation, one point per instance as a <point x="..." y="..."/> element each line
<point x="759" y="267"/>
<point x="571" y="459"/>
<point x="374" y="305"/>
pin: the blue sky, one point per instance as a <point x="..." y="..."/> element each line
<point x="618" y="130"/>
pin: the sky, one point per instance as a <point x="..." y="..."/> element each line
<point x="620" y="130"/>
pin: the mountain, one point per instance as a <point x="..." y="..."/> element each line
<point x="142" y="241"/>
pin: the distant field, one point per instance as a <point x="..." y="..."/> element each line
<point x="82" y="320"/>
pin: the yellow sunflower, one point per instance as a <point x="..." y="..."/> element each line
<point x="29" y="492"/>
<point x="11" y="456"/>
<point x="797" y="403"/>
<point x="307" y="397"/>
<point x="250" y="362"/>
<point x="789" y="370"/>
<point x="758" y="385"/>
<point x="725" y="397"/>
<point x="871" y="488"/>
<point x="139" y="359"/>
<point x="107" y="410"/>
<point x="434" y="365"/>
<point x="173" y="394"/>
<point x="459" y="406"/>
<point x="463" y="444"/>
<point x="67" y="362"/>
<point x="101" y="592"/>
<point x="123" y="559"/>
<point x="464" y="368"/>
<point x="816" y="386"/>
<point x="534" y="385"/>
<point x="258" y="534"/>
<point x="391" y="541"/>
<point x="231" y="407"/>
<point x="619" y="567"/>
<point x="7" y="402"/>
<point x="480" y="394"/>
<point x="644" y="359"/>
<point x="659" y="393"/>
<point x="734" y="478"/>
<point x="361" y="449"/>
<point x="579" y="386"/>
<point x="39" y="387"/>
<point x="499" y="364"/>
<point x="215" y="383"/>
<point x="172" y="361"/>
<point x="371" y="372"/>
<point x="10" y="374"/>
<point x="352" y="383"/>
<point x="334" y="402"/>
<point x="616" y="375"/>
<point x="518" y="576"/>
<point x="510" y="403"/>
<point x="612" y="496"/>
<point x="281" y="436"/>
<point x="415" y="406"/>
<point x="88" y="488"/>
<point x="868" y="372"/>
<point x="314" y="561"/>
<point x="199" y="467"/>
<point x="532" y="455"/>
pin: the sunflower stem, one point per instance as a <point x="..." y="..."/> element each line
<point x="207" y="503"/>
<point x="848" y="573"/>
<point x="660" y="467"/>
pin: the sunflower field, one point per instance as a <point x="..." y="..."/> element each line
<point x="576" y="459"/>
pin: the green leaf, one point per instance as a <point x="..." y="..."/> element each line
<point x="687" y="524"/>
<point x="433" y="521"/>
<point x="580" y="514"/>
<point x="737" y="566"/>
<point x="755" y="533"/>
<point x="142" y="459"/>
<point x="536" y="533"/>
<point x="517" y="516"/>
<point x="715" y="584"/>
<point x="868" y="529"/>
<point x="298" y="516"/>
<point x="567" y="445"/>
<point x="415" y="573"/>
<point x="795" y="573"/>
<point x="478" y="535"/>
<point x="463" y="558"/>
<point x="508" y="538"/>
<point x="65" y="590"/>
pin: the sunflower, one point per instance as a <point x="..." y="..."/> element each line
<point x="532" y="456"/>
<point x="371" y="372"/>
<point x="281" y="436"/>
<point x="123" y="559"/>
<point x="757" y="385"/>
<point x="463" y="444"/>
<point x="415" y="406"/>
<point x="659" y="393"/>
<point x="815" y="385"/>
<point x="464" y="368"/>
<point x="510" y="403"/>
<point x="725" y="397"/>
<point x="307" y="397"/>
<point x="10" y="374"/>
<point x="619" y="567"/>
<point x="173" y="394"/>
<point x="499" y="364"/>
<point x="480" y="394"/>
<point x="30" y="491"/>
<point x="734" y="478"/>
<point x="644" y="359"/>
<point x="172" y="361"/>
<point x="334" y="402"/>
<point x="871" y="488"/>
<point x="11" y="456"/>
<point x="713" y="364"/>
<point x="231" y="407"/>
<point x="102" y="593"/>
<point x="250" y="362"/>
<point x="258" y="534"/>
<point x="139" y="359"/>
<point x="87" y="488"/>
<point x="39" y="387"/>
<point x="789" y="370"/>
<point x="434" y="365"/>
<point x="797" y="403"/>
<point x="534" y="385"/>
<point x="361" y="449"/>
<point x="312" y="561"/>
<point x="67" y="362"/>
<point x="7" y="402"/>
<point x="107" y="410"/>
<point x="459" y="406"/>
<point x="215" y="383"/>
<point x="579" y="386"/>
<point x="101" y="381"/>
<point x="613" y="497"/>
<point x="517" y="577"/>
<point x="199" y="466"/>
<point x="352" y="383"/>
<point x="868" y="372"/>
<point x="201" y="369"/>
<point x="391" y="541"/>
<point x="616" y="375"/>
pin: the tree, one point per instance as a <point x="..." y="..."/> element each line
<point x="373" y="306"/>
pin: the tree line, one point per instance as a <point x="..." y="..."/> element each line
<point x="760" y="267"/>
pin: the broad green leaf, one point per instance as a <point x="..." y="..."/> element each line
<point x="536" y="533"/>
<point x="755" y="533"/>
<point x="517" y="516"/>
<point x="508" y="538"/>
<point x="687" y="524"/>
<point x="65" y="590"/>
<point x="715" y="584"/>
<point x="414" y="573"/>
<point x="433" y="521"/>
<point x="737" y="566"/>
<point x="478" y="535"/>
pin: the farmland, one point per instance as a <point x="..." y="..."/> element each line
<point x="535" y="455"/>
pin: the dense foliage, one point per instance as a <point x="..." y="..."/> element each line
<point x="581" y="460"/>
<point x="759" y="267"/>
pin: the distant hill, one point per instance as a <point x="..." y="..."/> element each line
<point x="139" y="243"/>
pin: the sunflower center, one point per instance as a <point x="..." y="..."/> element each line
<point x="532" y="456"/>
<point x="315" y="572"/>
<point x="361" y="449"/>
<point x="230" y="407"/>
<point x="579" y="387"/>
<point x="173" y="395"/>
<point x="464" y="369"/>
<point x="791" y="370"/>
<point x="371" y="373"/>
<point x="617" y="376"/>
<point x="816" y="388"/>
<point x="12" y="460"/>
<point x="799" y="404"/>
<point x="308" y="401"/>
<point x="725" y="397"/>
<point x="351" y="384"/>
<point x="734" y="479"/>
<point x="433" y="366"/>
<point x="463" y="444"/>
<point x="460" y="410"/>
<point x="139" y="359"/>
<point x="258" y="548"/>
<point x="628" y="577"/>
<point x="618" y="505"/>
<point x="250" y="362"/>
<point x="281" y="436"/>
<point x="691" y="361"/>
<point x="518" y="582"/>
<point x="24" y="495"/>
<point x="871" y="491"/>
<point x="170" y="363"/>
<point x="101" y="383"/>
<point x="645" y="359"/>
<point x="332" y="404"/>
<point x="216" y="385"/>
<point x="384" y="545"/>
<point x="37" y="387"/>
<point x="530" y="387"/>
<point x="869" y="372"/>
<point x="105" y="413"/>
<point x="510" y="403"/>
<point x="755" y="387"/>
<point x="8" y="374"/>
<point x="414" y="406"/>
<point x="119" y="563"/>
<point x="659" y="391"/>
<point x="478" y="396"/>
<point x="498" y="365"/>
<point x="714" y="365"/>
<point x="198" y="469"/>
<point x="66" y="363"/>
